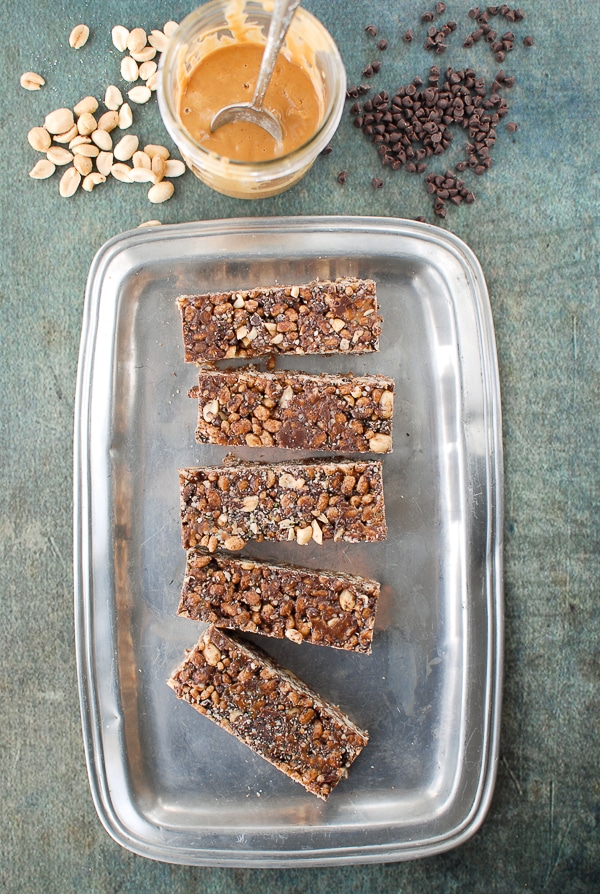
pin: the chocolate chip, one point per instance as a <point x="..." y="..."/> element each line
<point x="371" y="30"/>
<point x="327" y="150"/>
<point x="427" y="17"/>
<point x="377" y="182"/>
<point x="440" y="8"/>
<point x="409" y="35"/>
<point x="382" y="44"/>
<point x="528" y="41"/>
<point x="342" y="177"/>
<point x="512" y="126"/>
<point x="368" y="71"/>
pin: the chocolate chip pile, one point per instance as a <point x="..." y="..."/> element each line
<point x="415" y="123"/>
<point x="419" y="121"/>
<point x="505" y="44"/>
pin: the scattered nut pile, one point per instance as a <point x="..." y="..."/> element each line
<point x="85" y="140"/>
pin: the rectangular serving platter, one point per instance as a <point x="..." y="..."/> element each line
<point x="168" y="784"/>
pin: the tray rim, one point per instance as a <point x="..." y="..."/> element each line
<point x="394" y="852"/>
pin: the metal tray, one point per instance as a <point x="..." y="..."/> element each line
<point x="166" y="782"/>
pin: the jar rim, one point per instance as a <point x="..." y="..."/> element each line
<point x="297" y="157"/>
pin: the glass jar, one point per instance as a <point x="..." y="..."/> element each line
<point x="223" y="22"/>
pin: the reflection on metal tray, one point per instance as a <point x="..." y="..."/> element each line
<point x="166" y="782"/>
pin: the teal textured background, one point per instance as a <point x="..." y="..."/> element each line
<point x="535" y="229"/>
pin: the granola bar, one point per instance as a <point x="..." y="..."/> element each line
<point x="320" y="607"/>
<point x="304" y="501"/>
<point x="246" y="407"/>
<point x="317" y="318"/>
<point x="268" y="708"/>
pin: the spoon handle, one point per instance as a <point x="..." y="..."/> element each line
<point x="283" y="14"/>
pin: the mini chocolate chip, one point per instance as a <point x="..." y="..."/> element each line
<point x="512" y="126"/>
<point x="528" y="41"/>
<point x="371" y="30"/>
<point x="440" y="8"/>
<point x="473" y="13"/>
<point x="368" y="71"/>
<point x="327" y="150"/>
<point x="342" y="177"/>
<point x="427" y="17"/>
<point x="377" y="182"/>
<point x="376" y="66"/>
<point x="382" y="44"/>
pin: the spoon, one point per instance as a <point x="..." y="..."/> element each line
<point x="253" y="112"/>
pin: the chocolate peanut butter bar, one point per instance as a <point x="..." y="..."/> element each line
<point x="320" y="607"/>
<point x="268" y="708"/>
<point x="245" y="407"/>
<point x="317" y="318"/>
<point x="305" y="501"/>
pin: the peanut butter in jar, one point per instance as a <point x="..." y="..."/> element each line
<point x="227" y="76"/>
<point x="213" y="60"/>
